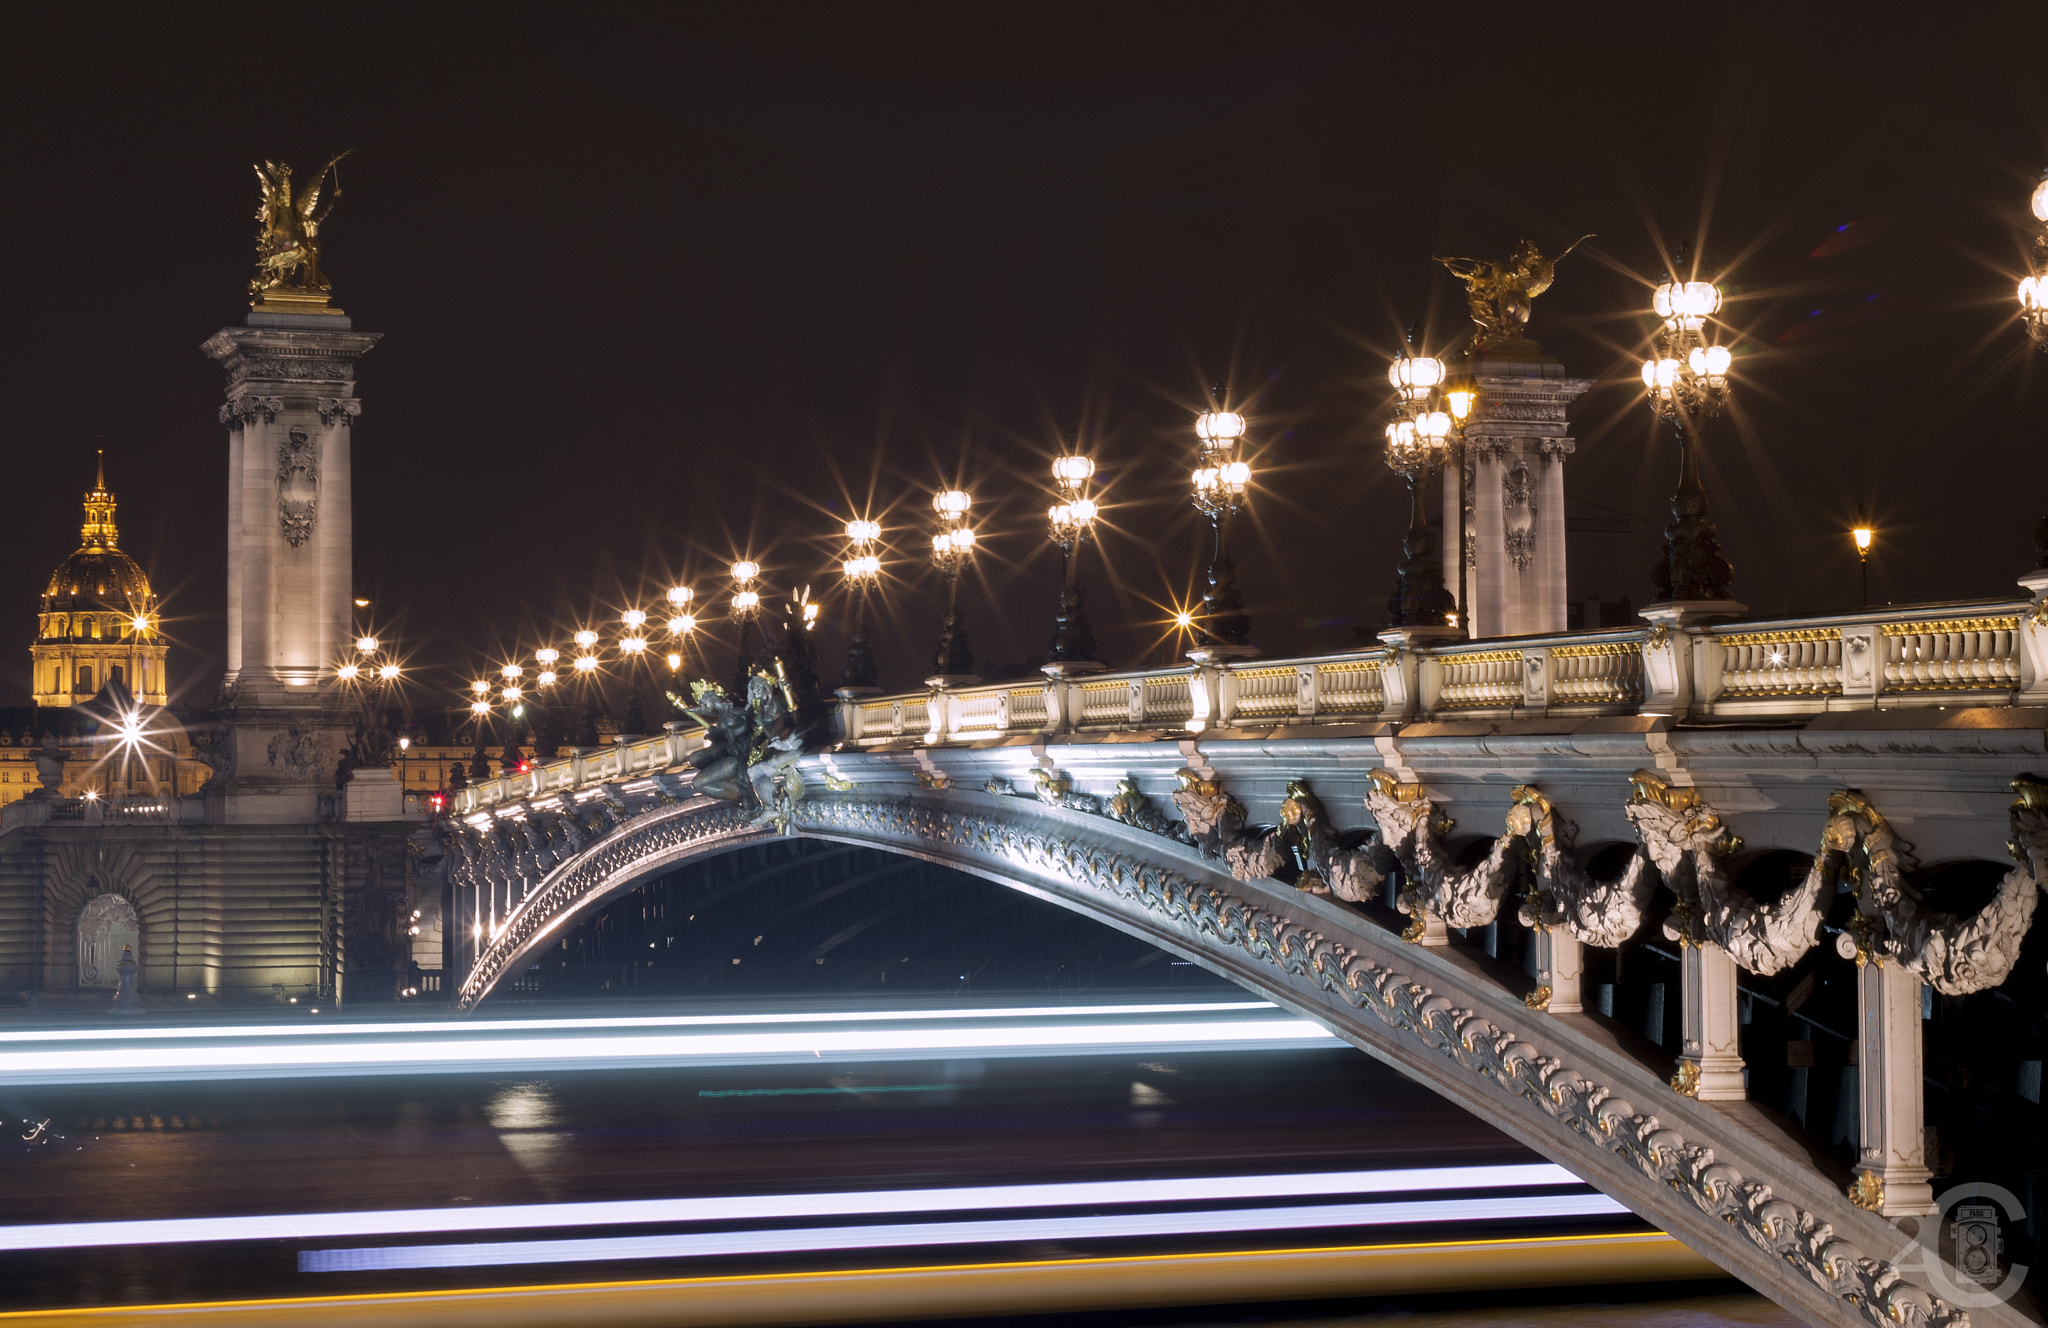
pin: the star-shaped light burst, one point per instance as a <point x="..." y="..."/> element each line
<point x="128" y="735"/>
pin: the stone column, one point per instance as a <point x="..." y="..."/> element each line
<point x="1891" y="1163"/>
<point x="290" y="406"/>
<point x="1516" y="436"/>
<point x="290" y="402"/>
<point x="1710" y="1065"/>
<point x="1490" y="588"/>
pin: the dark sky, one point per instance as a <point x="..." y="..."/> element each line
<point x="658" y="287"/>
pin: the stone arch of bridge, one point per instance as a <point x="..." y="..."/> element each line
<point x="1721" y="1180"/>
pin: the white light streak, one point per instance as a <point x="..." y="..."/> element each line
<point x="474" y="1026"/>
<point x="737" y="1208"/>
<point x="479" y="1052"/>
<point x="900" y="1235"/>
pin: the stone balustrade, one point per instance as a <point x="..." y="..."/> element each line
<point x="1992" y="653"/>
<point x="1924" y="656"/>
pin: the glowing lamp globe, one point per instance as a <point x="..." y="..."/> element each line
<point x="586" y="639"/>
<point x="863" y="532"/>
<point x="2033" y="295"/>
<point x="479" y="687"/>
<point x="511" y="671"/>
<point x="512" y="694"/>
<point x="951" y="502"/>
<point x="585" y="663"/>
<point x="682" y="624"/>
<point x="634" y="618"/>
<point x="1433" y="427"/>
<point x="680" y="594"/>
<point x="480" y="707"/>
<point x="347" y="672"/>
<point x="388" y="672"/>
<point x="546" y="655"/>
<point x="1710" y="361"/>
<point x="963" y="538"/>
<point x="2040" y="201"/>
<point x="1660" y="376"/>
<point x="1687" y="303"/>
<point x="1236" y="475"/>
<point x="1073" y="470"/>
<point x="632" y="645"/>
<point x="747" y="600"/>
<point x="675" y="661"/>
<point x="1219" y="428"/>
<point x="1415" y="376"/>
<point x="546" y="677"/>
<point x="366" y="644"/>
<point x="139" y="622"/>
<point x="746" y="569"/>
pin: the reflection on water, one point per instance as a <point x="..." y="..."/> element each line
<point x="523" y="1115"/>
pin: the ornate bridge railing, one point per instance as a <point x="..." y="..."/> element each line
<point x="1922" y="656"/>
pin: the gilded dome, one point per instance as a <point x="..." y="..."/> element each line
<point x="101" y="578"/>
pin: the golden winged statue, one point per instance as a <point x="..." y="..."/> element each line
<point x="288" y="230"/>
<point x="1499" y="294"/>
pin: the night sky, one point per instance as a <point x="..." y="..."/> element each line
<point x="659" y="288"/>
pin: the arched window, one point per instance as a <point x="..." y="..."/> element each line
<point x="95" y="628"/>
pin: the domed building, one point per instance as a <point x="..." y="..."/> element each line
<point x="99" y="621"/>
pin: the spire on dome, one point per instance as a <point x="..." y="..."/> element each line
<point x="98" y="531"/>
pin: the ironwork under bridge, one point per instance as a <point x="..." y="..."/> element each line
<point x="1489" y="863"/>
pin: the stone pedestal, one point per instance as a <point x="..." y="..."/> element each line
<point x="1710" y="1064"/>
<point x="1557" y="970"/>
<point x="373" y="794"/>
<point x="1509" y="486"/>
<point x="1891" y="1120"/>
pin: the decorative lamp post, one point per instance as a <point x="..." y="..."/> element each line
<point x="1686" y="381"/>
<point x="1864" y="535"/>
<point x="547" y="657"/>
<point x="1418" y="441"/>
<point x="681" y="623"/>
<point x="952" y="546"/>
<point x="746" y="607"/>
<point x="863" y="568"/>
<point x="1072" y="521"/>
<point x="1220" y="482"/>
<point x="2034" y="286"/>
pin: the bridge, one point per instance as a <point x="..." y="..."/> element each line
<point x="1430" y="846"/>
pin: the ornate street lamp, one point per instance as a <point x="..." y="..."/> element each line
<point x="2034" y="286"/>
<point x="1220" y="483"/>
<point x="863" y="568"/>
<point x="952" y="546"/>
<point x="1418" y="441"/>
<point x="1686" y="382"/>
<point x="1072" y="521"/>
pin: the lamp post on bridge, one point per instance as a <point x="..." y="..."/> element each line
<point x="952" y="546"/>
<point x="863" y="569"/>
<point x="1223" y="630"/>
<point x="1418" y="442"/>
<point x="1071" y="522"/>
<point x="1686" y="383"/>
<point x="682" y="625"/>
<point x="746" y="607"/>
